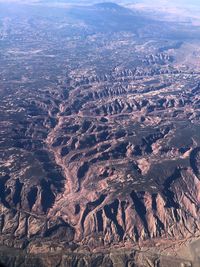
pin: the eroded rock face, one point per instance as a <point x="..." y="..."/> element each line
<point x="96" y="156"/>
<point x="98" y="180"/>
<point x="119" y="258"/>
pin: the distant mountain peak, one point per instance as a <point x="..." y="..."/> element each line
<point x="109" y="5"/>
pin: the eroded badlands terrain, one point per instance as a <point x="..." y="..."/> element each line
<point x="100" y="133"/>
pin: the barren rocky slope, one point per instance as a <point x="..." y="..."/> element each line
<point x="100" y="138"/>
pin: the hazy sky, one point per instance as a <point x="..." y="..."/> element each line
<point x="174" y="2"/>
<point x="184" y="8"/>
